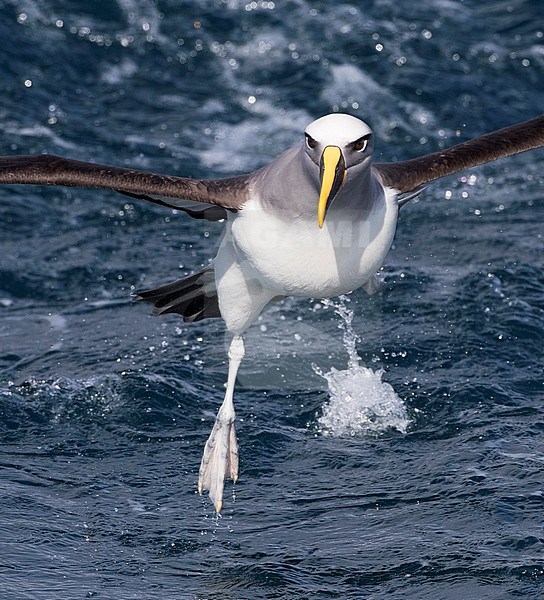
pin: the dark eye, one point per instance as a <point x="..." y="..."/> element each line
<point x="310" y="141"/>
<point x="360" y="144"/>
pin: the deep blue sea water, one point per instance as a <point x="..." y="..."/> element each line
<point x="104" y="409"/>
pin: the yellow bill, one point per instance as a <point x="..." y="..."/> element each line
<point x="333" y="175"/>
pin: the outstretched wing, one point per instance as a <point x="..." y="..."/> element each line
<point x="44" y="169"/>
<point x="407" y="175"/>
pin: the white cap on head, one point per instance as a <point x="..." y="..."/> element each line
<point x="338" y="129"/>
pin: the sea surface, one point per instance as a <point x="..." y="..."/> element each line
<point x="392" y="446"/>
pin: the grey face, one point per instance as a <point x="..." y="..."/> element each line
<point x="335" y="143"/>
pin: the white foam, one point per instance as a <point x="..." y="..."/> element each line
<point x="56" y="321"/>
<point x="38" y="131"/>
<point x="258" y="139"/>
<point x="352" y="88"/>
<point x="119" y="73"/>
<point x="360" y="402"/>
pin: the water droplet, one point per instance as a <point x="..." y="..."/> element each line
<point x="360" y="402"/>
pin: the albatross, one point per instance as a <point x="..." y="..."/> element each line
<point x="318" y="221"/>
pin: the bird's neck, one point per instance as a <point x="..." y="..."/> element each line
<point x="290" y="185"/>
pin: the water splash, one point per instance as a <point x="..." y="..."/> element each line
<point x="360" y="402"/>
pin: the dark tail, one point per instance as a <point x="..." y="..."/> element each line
<point x="194" y="297"/>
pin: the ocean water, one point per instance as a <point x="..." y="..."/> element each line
<point x="392" y="446"/>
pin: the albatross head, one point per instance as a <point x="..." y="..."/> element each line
<point x="335" y="143"/>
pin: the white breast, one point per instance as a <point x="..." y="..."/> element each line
<point x="292" y="256"/>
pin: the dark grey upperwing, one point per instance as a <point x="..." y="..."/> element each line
<point x="45" y="169"/>
<point x="408" y="175"/>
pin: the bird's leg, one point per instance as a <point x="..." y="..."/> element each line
<point x="220" y="459"/>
